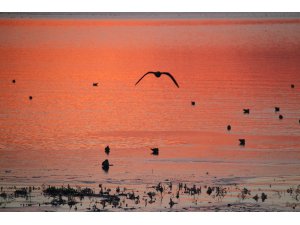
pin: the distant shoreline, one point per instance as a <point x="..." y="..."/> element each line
<point x="149" y="15"/>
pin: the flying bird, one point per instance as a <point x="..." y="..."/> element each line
<point x="158" y="74"/>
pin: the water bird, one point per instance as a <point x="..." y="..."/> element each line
<point x="193" y="103"/>
<point x="263" y="197"/>
<point x="280" y="117"/>
<point x="209" y="190"/>
<point x="242" y="142"/>
<point x="171" y="203"/>
<point x="95" y="84"/>
<point x="14" y="81"/>
<point x="30" y="97"/>
<point x="155" y="151"/>
<point x="158" y="74"/>
<point x="256" y="197"/>
<point x="228" y="127"/>
<point x="292" y="85"/>
<point x="277" y="109"/>
<point x="107" y="150"/>
<point x="105" y="165"/>
<point x="246" y="111"/>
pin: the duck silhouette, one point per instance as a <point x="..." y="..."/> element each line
<point x="246" y="111"/>
<point x="105" y="165"/>
<point x="228" y="127"/>
<point x="193" y="102"/>
<point x="107" y="150"/>
<point x="95" y="84"/>
<point x="242" y="142"/>
<point x="280" y="117"/>
<point x="158" y="74"/>
<point x="14" y="81"/>
<point x="155" y="151"/>
<point x="277" y="109"/>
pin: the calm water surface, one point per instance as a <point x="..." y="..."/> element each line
<point x="225" y="66"/>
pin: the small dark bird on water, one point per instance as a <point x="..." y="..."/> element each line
<point x="158" y="74"/>
<point x="263" y="197"/>
<point x="105" y="165"/>
<point x="30" y="97"/>
<point x="228" y="127"/>
<point x="193" y="103"/>
<point x="95" y="84"/>
<point x="277" y="109"/>
<point x="171" y="203"/>
<point x="14" y="81"/>
<point x="246" y="111"/>
<point x="280" y="117"/>
<point x="292" y="85"/>
<point x="155" y="151"/>
<point x="242" y="142"/>
<point x="107" y="150"/>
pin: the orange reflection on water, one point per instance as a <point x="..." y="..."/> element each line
<point x="223" y="65"/>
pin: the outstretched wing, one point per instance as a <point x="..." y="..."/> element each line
<point x="143" y="77"/>
<point x="173" y="79"/>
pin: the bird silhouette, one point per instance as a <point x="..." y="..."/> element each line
<point x="280" y="117"/>
<point x="228" y="127"/>
<point x="105" y="165"/>
<point x="14" y="81"/>
<point x="155" y="151"/>
<point x="30" y="97"/>
<point x="277" y="109"/>
<point x="158" y="74"/>
<point x="242" y="142"/>
<point x="246" y="111"/>
<point x="95" y="84"/>
<point x="292" y="85"/>
<point x="193" y="103"/>
<point x="107" y="150"/>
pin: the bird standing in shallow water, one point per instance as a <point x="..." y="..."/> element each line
<point x="277" y="109"/>
<point x="228" y="127"/>
<point x="30" y="97"/>
<point x="280" y="117"/>
<point x="193" y="103"/>
<point x="292" y="85"/>
<point x="14" y="81"/>
<point x="158" y="74"/>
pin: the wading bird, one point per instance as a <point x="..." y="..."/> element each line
<point x="158" y="74"/>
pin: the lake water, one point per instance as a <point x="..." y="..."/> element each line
<point x="223" y="65"/>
